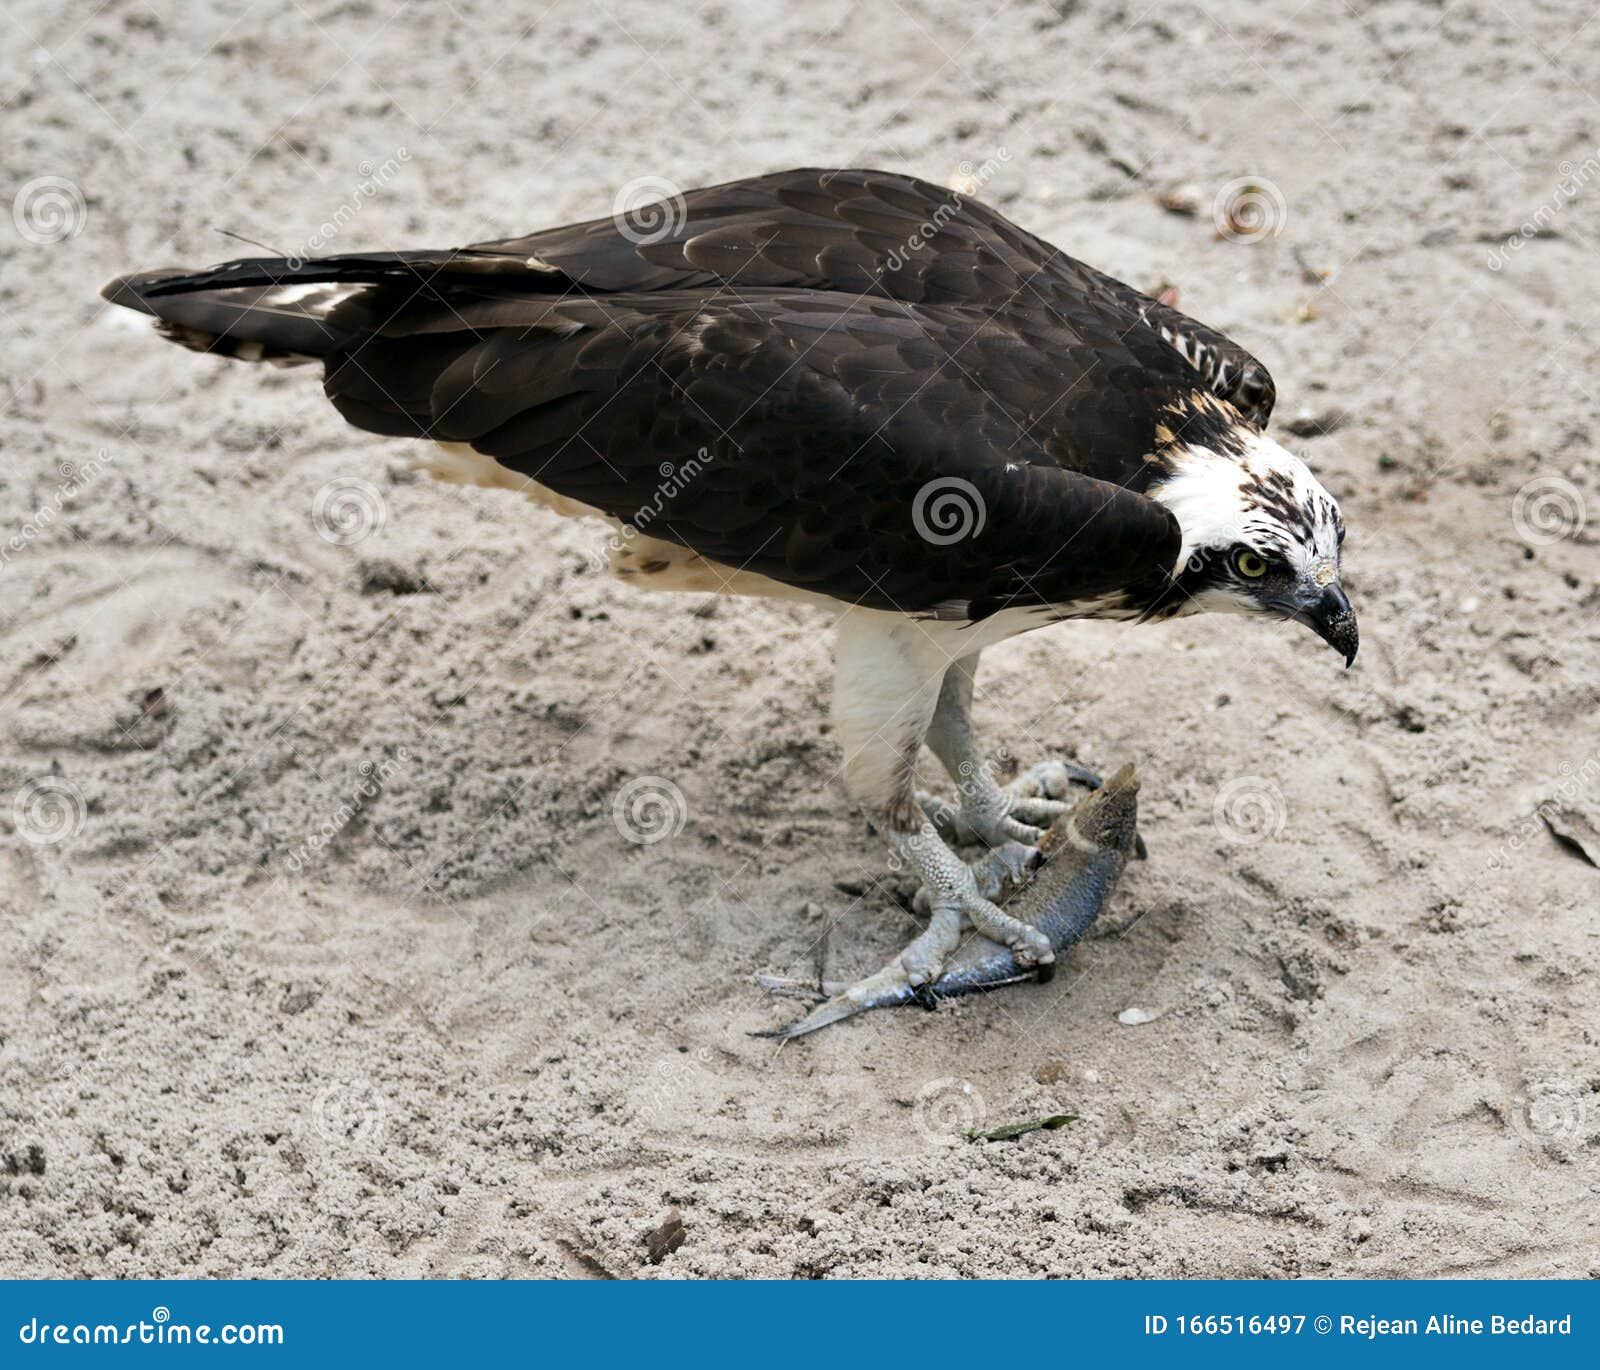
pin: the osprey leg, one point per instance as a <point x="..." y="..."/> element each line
<point x="989" y="813"/>
<point x="998" y="815"/>
<point x="890" y="676"/>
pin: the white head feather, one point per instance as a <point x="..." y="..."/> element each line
<point x="1257" y="495"/>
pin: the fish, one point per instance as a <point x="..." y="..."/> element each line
<point x="1083" y="856"/>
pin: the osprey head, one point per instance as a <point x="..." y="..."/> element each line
<point x="1260" y="535"/>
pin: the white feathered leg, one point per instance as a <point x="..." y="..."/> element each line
<point x="888" y="682"/>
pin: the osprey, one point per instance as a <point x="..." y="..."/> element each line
<point x="852" y="388"/>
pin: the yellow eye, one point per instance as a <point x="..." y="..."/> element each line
<point x="1250" y="565"/>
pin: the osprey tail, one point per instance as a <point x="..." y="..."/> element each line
<point x="288" y="310"/>
<point x="286" y="321"/>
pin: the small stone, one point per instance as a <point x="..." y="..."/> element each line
<point x="1136" y="1016"/>
<point x="666" y="1237"/>
<point x="384" y="575"/>
<point x="1184" y="200"/>
<point x="1313" y="423"/>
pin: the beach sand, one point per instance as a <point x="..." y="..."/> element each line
<point x="322" y="948"/>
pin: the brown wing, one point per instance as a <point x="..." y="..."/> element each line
<point x="825" y="346"/>
<point x="858" y="232"/>
<point x="876" y="233"/>
<point x="849" y="447"/>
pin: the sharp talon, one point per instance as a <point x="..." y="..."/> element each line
<point x="1029" y="954"/>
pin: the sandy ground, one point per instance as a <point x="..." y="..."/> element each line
<point x="321" y="949"/>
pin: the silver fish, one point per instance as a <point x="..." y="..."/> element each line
<point x="1084" y="854"/>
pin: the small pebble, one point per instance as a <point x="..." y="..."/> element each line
<point x="1133" y="1017"/>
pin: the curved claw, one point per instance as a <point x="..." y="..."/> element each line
<point x="1054" y="779"/>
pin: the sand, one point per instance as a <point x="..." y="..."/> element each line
<point x="322" y="951"/>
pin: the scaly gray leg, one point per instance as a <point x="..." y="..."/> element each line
<point x="998" y="816"/>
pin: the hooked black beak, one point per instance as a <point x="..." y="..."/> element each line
<point x="1333" y="620"/>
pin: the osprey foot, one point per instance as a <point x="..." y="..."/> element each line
<point x="998" y="874"/>
<point x="997" y="815"/>
<point x="957" y="896"/>
<point x="910" y="977"/>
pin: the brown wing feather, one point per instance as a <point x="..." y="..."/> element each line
<point x="817" y="430"/>
<point x="831" y="341"/>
